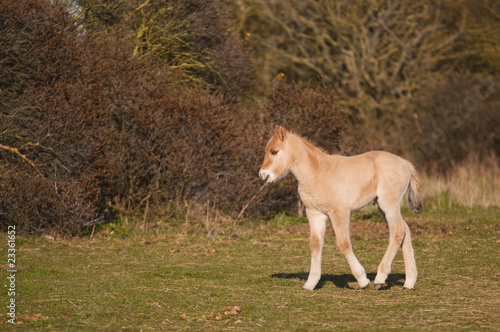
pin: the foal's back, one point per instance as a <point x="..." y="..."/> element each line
<point x="365" y="177"/>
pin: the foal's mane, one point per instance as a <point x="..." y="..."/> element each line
<point x="308" y="143"/>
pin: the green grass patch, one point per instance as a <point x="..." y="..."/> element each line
<point x="249" y="277"/>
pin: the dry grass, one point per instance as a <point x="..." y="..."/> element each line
<point x="469" y="183"/>
<point x="178" y="278"/>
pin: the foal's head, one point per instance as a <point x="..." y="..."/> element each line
<point x="276" y="158"/>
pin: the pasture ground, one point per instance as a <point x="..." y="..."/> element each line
<point x="177" y="276"/>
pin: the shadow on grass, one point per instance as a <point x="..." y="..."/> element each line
<point x="343" y="280"/>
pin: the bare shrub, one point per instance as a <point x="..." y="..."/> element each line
<point x="193" y="36"/>
<point x="171" y="141"/>
<point x="454" y="118"/>
<point x="39" y="204"/>
<point x="379" y="51"/>
<point x="313" y="112"/>
<point x="50" y="118"/>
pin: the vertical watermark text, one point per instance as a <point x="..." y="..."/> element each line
<point x="11" y="272"/>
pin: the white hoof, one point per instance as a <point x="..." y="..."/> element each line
<point x="309" y="286"/>
<point x="364" y="283"/>
<point x="409" y="286"/>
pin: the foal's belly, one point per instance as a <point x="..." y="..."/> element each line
<point x="363" y="201"/>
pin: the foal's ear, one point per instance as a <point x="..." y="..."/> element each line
<point x="281" y="132"/>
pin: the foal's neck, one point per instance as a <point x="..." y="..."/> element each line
<point x="306" y="159"/>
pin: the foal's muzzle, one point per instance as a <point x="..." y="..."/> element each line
<point x="264" y="174"/>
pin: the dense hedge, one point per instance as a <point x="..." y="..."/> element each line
<point x="51" y="114"/>
<point x="88" y="128"/>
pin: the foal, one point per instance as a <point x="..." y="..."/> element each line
<point x="333" y="185"/>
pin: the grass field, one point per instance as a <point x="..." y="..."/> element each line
<point x="249" y="277"/>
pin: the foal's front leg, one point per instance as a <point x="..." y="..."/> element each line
<point x="317" y="224"/>
<point x="340" y="221"/>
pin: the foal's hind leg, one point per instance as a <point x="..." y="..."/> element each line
<point x="399" y="234"/>
<point x="340" y="221"/>
<point x="409" y="258"/>
<point x="317" y="225"/>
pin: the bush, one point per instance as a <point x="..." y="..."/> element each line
<point x="88" y="127"/>
<point x="192" y="36"/>
<point x="51" y="116"/>
<point x="171" y="141"/>
<point x="312" y="113"/>
<point x="454" y="119"/>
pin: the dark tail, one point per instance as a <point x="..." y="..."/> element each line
<point x="414" y="193"/>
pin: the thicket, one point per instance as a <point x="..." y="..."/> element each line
<point x="193" y="36"/>
<point x="89" y="128"/>
<point x="408" y="69"/>
<point x="51" y="112"/>
<point x="454" y="120"/>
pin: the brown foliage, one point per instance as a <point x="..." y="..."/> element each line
<point x="88" y="127"/>
<point x="455" y="118"/>
<point x="172" y="141"/>
<point x="312" y="113"/>
<point x="50" y="113"/>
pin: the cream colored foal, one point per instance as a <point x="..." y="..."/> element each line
<point x="333" y="185"/>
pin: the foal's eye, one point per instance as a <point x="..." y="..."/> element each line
<point x="273" y="152"/>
